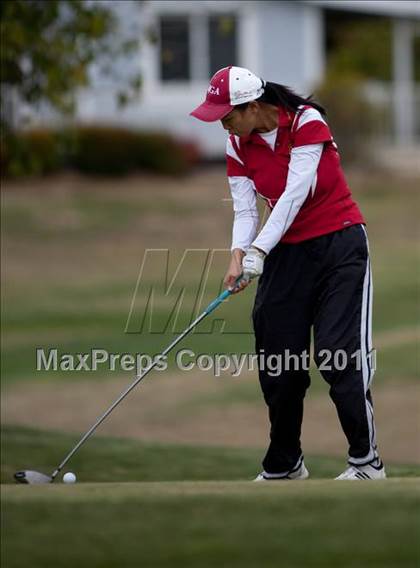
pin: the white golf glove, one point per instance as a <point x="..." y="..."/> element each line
<point x="253" y="263"/>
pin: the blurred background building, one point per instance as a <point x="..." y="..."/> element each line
<point x="309" y="45"/>
<point x="286" y="42"/>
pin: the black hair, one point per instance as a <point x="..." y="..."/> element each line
<point x="280" y="95"/>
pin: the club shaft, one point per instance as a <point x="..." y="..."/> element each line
<point x="212" y="306"/>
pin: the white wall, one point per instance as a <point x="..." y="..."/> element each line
<point x="267" y="38"/>
<point x="291" y="44"/>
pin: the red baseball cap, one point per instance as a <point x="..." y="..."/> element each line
<point x="228" y="87"/>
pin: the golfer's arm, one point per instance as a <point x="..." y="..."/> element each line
<point x="246" y="218"/>
<point x="303" y="165"/>
<point x="237" y="255"/>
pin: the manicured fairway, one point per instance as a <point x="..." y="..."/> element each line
<point x="181" y="524"/>
<point x="160" y="520"/>
<point x="105" y="459"/>
<point x="72" y="251"/>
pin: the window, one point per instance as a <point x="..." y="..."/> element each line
<point x="194" y="47"/>
<point x="222" y="42"/>
<point x="175" y="48"/>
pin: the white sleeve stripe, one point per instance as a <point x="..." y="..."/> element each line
<point x="230" y="151"/>
<point x="309" y="115"/>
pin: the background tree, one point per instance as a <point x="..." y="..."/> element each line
<point x="48" y="46"/>
<point x="361" y="47"/>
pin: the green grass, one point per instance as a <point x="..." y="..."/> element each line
<point x="71" y="260"/>
<point x="207" y="524"/>
<point x="185" y="506"/>
<point x="49" y="305"/>
<point x="113" y="459"/>
<point x="82" y="215"/>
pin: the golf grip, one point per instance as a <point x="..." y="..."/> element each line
<point x="212" y="306"/>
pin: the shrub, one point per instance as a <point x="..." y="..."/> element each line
<point x="34" y="152"/>
<point x="351" y="117"/>
<point x="95" y="150"/>
<point x="191" y="152"/>
<point x="160" y="152"/>
<point x="107" y="150"/>
<point x="102" y="150"/>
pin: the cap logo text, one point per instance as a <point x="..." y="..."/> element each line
<point x="213" y="90"/>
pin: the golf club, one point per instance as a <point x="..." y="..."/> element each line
<point x="35" y="478"/>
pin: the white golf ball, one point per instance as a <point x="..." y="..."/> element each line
<point x="69" y="477"/>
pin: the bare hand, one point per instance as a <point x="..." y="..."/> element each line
<point x="234" y="272"/>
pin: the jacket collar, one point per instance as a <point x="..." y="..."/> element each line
<point x="285" y="121"/>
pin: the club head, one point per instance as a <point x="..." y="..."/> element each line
<point x="32" y="477"/>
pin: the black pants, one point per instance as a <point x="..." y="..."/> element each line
<point x="325" y="283"/>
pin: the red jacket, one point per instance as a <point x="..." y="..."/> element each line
<point x="329" y="207"/>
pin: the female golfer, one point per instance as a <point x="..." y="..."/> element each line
<point x="312" y="258"/>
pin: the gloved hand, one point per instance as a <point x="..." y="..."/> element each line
<point x="253" y="263"/>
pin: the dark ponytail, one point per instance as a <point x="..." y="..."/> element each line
<point x="280" y="95"/>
